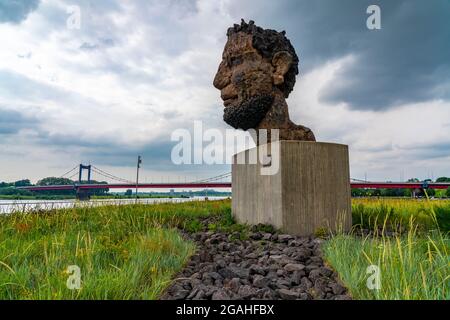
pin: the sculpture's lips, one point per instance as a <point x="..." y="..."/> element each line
<point x="229" y="101"/>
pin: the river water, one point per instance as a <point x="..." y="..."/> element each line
<point x="8" y="206"/>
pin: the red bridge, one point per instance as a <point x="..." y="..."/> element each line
<point x="193" y="185"/>
<point x="82" y="189"/>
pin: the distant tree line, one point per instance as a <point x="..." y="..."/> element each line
<point x="385" y="192"/>
<point x="10" y="188"/>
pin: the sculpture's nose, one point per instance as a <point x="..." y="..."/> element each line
<point x="222" y="77"/>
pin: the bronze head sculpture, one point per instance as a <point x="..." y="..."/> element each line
<point x="256" y="75"/>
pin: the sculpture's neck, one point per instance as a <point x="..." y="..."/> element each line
<point x="278" y="114"/>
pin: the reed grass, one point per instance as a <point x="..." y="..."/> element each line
<point x="396" y="213"/>
<point x="124" y="252"/>
<point x="133" y="251"/>
<point x="413" y="264"/>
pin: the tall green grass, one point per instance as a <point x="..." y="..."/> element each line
<point x="396" y="213"/>
<point x="414" y="264"/>
<point x="133" y="251"/>
<point x="410" y="267"/>
<point x="124" y="252"/>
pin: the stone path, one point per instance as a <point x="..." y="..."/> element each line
<point x="267" y="266"/>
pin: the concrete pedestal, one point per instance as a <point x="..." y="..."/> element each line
<point x="309" y="191"/>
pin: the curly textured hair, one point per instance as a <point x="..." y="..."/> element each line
<point x="268" y="42"/>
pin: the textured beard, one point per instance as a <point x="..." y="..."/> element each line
<point x="249" y="113"/>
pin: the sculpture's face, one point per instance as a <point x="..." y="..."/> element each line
<point x="247" y="81"/>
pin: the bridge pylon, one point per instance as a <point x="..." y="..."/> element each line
<point x="83" y="194"/>
<point x="80" y="173"/>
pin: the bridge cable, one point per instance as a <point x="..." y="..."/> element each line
<point x="359" y="180"/>
<point x="215" y="178"/>
<point x="62" y="176"/>
<point x="76" y="173"/>
<point x="109" y="175"/>
<point x="104" y="173"/>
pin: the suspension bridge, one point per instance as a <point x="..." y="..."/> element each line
<point x="82" y="187"/>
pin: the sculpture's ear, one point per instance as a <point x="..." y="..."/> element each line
<point x="282" y="61"/>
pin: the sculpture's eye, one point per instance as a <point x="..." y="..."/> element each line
<point x="234" y="61"/>
<point x="238" y="78"/>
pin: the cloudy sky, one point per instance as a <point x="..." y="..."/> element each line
<point x="137" y="70"/>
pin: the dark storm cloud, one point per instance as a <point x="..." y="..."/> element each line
<point x="15" y="11"/>
<point x="106" y="151"/>
<point x="17" y="85"/>
<point x="156" y="157"/>
<point x="14" y="84"/>
<point x="428" y="151"/>
<point x="102" y="152"/>
<point x="407" y="61"/>
<point x="12" y="122"/>
<point x="156" y="153"/>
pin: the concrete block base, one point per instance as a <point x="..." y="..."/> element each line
<point x="309" y="191"/>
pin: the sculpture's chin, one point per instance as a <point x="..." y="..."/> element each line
<point x="249" y="113"/>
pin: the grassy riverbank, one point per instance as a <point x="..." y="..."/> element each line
<point x="413" y="262"/>
<point x="397" y="213"/>
<point x="410" y="267"/>
<point x="133" y="251"/>
<point x="124" y="252"/>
